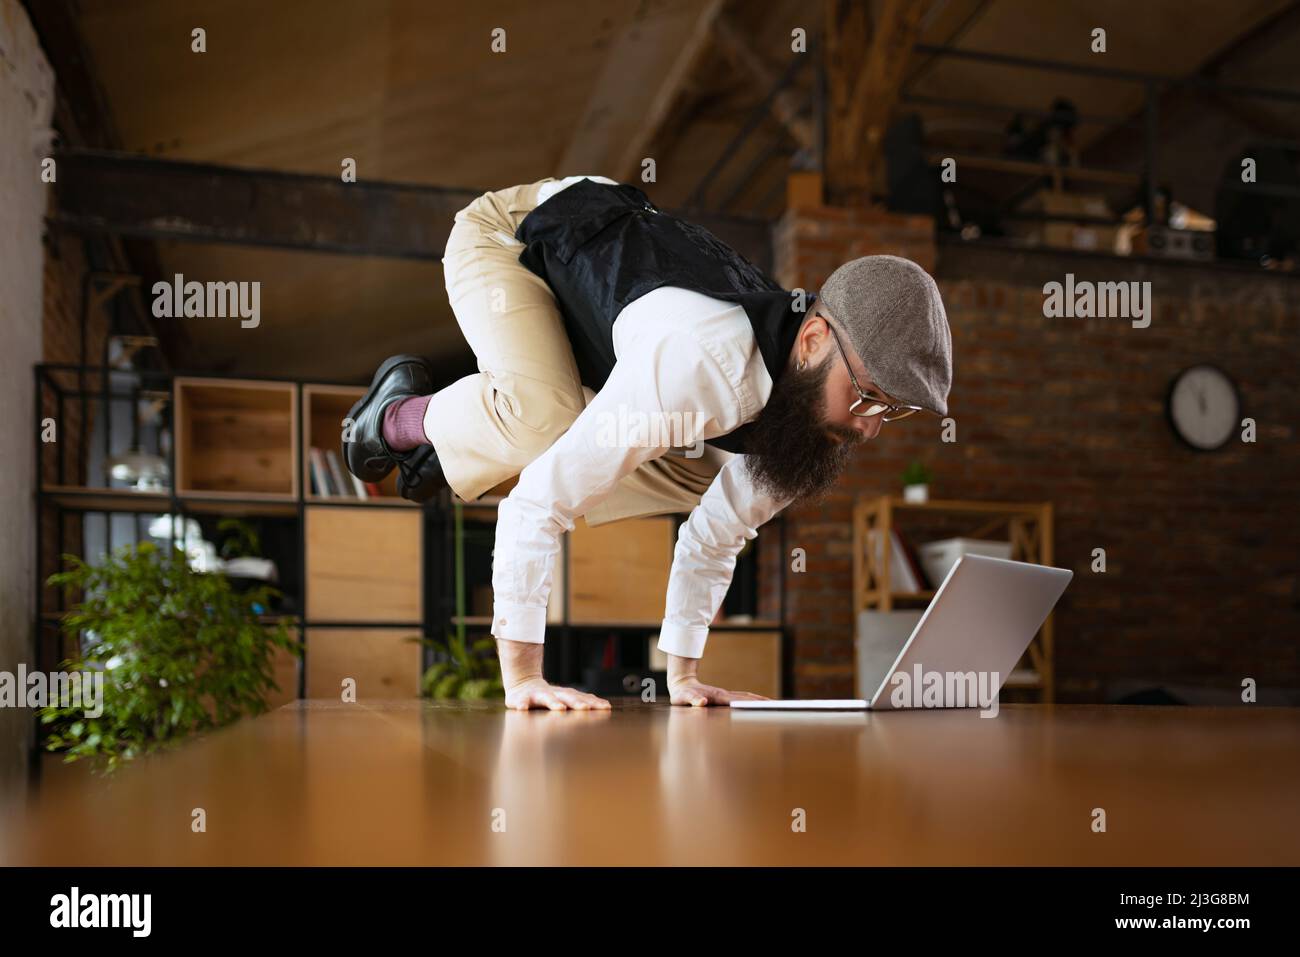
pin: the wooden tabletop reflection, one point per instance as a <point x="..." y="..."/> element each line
<point x="412" y="782"/>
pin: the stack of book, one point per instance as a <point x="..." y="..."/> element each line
<point x="330" y="480"/>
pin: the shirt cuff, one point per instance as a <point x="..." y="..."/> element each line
<point x="685" y="641"/>
<point x="519" y="623"/>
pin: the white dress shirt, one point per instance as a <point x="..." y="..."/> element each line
<point x="550" y="189"/>
<point x="687" y="368"/>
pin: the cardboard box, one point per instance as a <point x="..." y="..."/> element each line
<point x="1066" y="235"/>
<point x="937" y="558"/>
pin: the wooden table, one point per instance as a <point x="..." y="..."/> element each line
<point x="410" y="782"/>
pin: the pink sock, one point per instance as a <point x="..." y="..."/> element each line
<point x="404" y="423"/>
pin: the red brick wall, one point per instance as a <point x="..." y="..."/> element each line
<point x="1201" y="582"/>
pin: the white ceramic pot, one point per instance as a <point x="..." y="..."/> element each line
<point x="916" y="493"/>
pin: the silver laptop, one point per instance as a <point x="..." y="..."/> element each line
<point x="965" y="645"/>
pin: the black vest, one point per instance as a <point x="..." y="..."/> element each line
<point x="600" y="247"/>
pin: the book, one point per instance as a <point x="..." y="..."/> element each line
<point x="901" y="575"/>
<point x="359" y="487"/>
<point x="319" y="477"/>
<point x="339" y="479"/>
<point x="909" y="552"/>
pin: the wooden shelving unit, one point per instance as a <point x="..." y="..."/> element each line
<point x="236" y="439"/>
<point x="622" y="569"/>
<point x="378" y="571"/>
<point x="1028" y="527"/>
<point x="239" y="449"/>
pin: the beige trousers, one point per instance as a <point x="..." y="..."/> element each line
<point x="486" y="427"/>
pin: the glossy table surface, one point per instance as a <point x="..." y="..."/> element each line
<point x="411" y="782"/>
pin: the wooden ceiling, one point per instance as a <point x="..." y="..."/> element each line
<point x="413" y="92"/>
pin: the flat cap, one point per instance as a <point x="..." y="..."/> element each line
<point x="891" y="309"/>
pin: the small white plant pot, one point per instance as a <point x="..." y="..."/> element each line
<point x="916" y="493"/>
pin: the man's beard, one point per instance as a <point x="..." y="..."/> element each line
<point x="788" y="451"/>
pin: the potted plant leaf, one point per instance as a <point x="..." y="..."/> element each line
<point x="465" y="671"/>
<point x="916" y="482"/>
<point x="181" y="652"/>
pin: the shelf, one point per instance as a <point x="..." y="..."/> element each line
<point x="238" y="503"/>
<point x="108" y="499"/>
<point x="380" y="661"/>
<point x="84" y="498"/>
<point x="363" y="564"/>
<point x="619" y="572"/>
<point x="385" y="501"/>
<point x="953" y="505"/>
<point x="236" y="437"/>
<point x="239" y="451"/>
<point x="1028" y="528"/>
<point x="200" y="503"/>
<point x="1023" y="678"/>
<point x="473" y="621"/>
<point x="324" y="409"/>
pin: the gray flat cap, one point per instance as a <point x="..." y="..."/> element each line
<point x="891" y="309"/>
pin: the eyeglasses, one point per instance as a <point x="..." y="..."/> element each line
<point x="878" y="404"/>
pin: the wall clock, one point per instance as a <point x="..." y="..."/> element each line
<point x="1204" y="407"/>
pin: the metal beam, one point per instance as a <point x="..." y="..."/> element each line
<point x="84" y="120"/>
<point x="127" y="195"/>
<point x="1007" y="110"/>
<point x="1103" y="73"/>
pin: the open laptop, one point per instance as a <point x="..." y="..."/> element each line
<point x="961" y="652"/>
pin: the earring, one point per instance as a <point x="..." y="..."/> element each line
<point x="803" y="364"/>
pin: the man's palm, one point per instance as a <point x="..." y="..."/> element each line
<point x="698" y="694"/>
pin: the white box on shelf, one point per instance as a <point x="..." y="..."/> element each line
<point x="938" y="557"/>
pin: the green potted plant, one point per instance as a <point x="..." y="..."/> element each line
<point x="466" y="671"/>
<point x="916" y="482"/>
<point x="181" y="651"/>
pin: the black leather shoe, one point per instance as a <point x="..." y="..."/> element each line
<point x="368" y="456"/>
<point x="420" y="477"/>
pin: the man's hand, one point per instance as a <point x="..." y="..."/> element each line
<point x="521" y="674"/>
<point x="684" y="687"/>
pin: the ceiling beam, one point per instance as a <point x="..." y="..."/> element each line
<point x="846" y="35"/>
<point x="787" y="105"/>
<point x="877" y="86"/>
<point x="656" y="55"/>
<point x="125" y="194"/>
<point x="121" y="194"/>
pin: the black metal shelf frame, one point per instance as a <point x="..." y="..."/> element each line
<point x="437" y="532"/>
<point x="561" y="658"/>
<point x="63" y="499"/>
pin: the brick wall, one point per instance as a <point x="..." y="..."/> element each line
<point x="1201" y="582"/>
<point x="26" y="96"/>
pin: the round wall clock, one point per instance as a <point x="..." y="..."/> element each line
<point x="1204" y="407"/>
